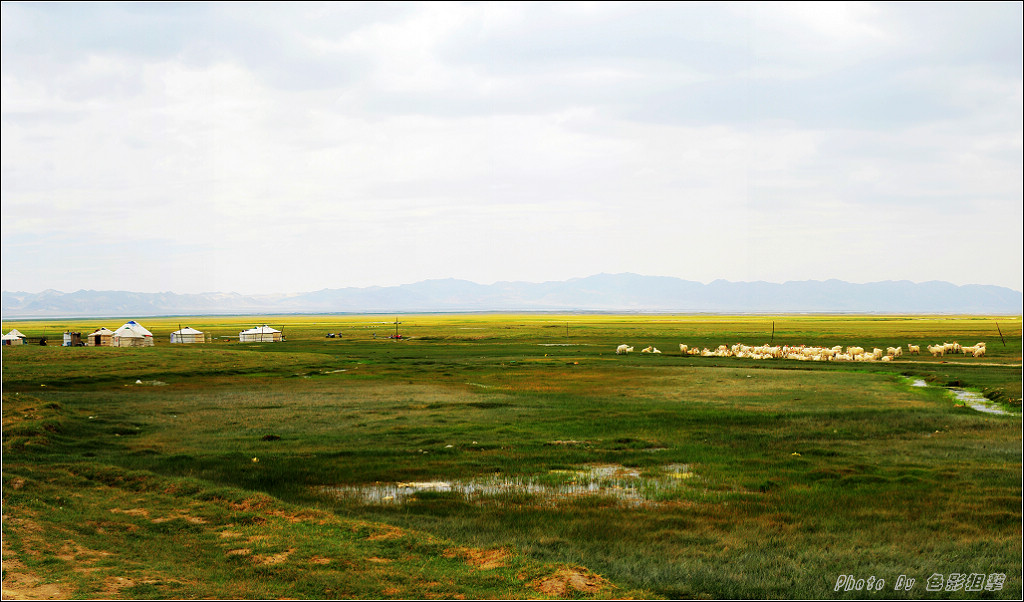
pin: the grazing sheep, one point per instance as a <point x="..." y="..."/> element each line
<point x="979" y="352"/>
<point x="937" y="350"/>
<point x="623" y="349"/>
<point x="914" y="349"/>
<point x="682" y="348"/>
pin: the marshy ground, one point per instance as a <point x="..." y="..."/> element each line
<point x="509" y="457"/>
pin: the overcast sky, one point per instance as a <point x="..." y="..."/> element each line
<point x="293" y="147"/>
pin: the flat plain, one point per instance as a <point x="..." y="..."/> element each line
<point x="512" y="456"/>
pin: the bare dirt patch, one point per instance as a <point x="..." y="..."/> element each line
<point x="265" y="505"/>
<point x="19" y="583"/>
<point x="112" y="586"/>
<point x="481" y="559"/>
<point x="273" y="558"/>
<point x="569" y="580"/>
<point x="73" y="552"/>
<point x="132" y="512"/>
<point x="195" y="520"/>
<point x="387" y="532"/>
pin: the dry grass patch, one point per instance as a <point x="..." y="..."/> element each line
<point x="273" y="558"/>
<point x="19" y="583"/>
<point x="567" y="581"/>
<point x="481" y="559"/>
<point x="385" y="532"/>
<point x="132" y="512"/>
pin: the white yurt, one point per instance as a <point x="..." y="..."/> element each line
<point x="14" y="338"/>
<point x="102" y="337"/>
<point x="188" y="335"/>
<point x="260" y="334"/>
<point x="132" y="334"/>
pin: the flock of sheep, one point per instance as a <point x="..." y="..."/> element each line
<point x="941" y="350"/>
<point x="816" y="354"/>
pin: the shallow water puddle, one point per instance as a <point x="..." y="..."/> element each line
<point x="607" y="480"/>
<point x="975" y="401"/>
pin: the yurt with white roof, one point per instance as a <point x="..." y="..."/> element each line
<point x="261" y="334"/>
<point x="102" y="337"/>
<point x="188" y="335"/>
<point x="14" y="338"/>
<point x="132" y="334"/>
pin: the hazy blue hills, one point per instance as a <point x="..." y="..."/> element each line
<point x="603" y="292"/>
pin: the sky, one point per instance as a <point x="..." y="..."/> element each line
<point x="269" y="148"/>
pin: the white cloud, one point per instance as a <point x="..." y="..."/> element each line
<point x="350" y="146"/>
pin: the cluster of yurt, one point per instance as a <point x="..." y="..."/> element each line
<point x="261" y="334"/>
<point x="14" y="338"/>
<point x="131" y="334"/>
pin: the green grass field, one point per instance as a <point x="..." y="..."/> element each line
<point x="511" y="456"/>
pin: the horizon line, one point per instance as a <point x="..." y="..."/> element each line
<point x="497" y="282"/>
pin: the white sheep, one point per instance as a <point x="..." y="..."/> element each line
<point x="914" y="349"/>
<point x="682" y="348"/>
<point x="647" y="349"/>
<point x="623" y="350"/>
<point x="937" y="350"/>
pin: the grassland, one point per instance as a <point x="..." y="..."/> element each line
<point x="214" y="470"/>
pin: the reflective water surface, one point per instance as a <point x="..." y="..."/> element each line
<point x="626" y="484"/>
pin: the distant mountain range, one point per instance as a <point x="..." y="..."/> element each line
<point x="603" y="292"/>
